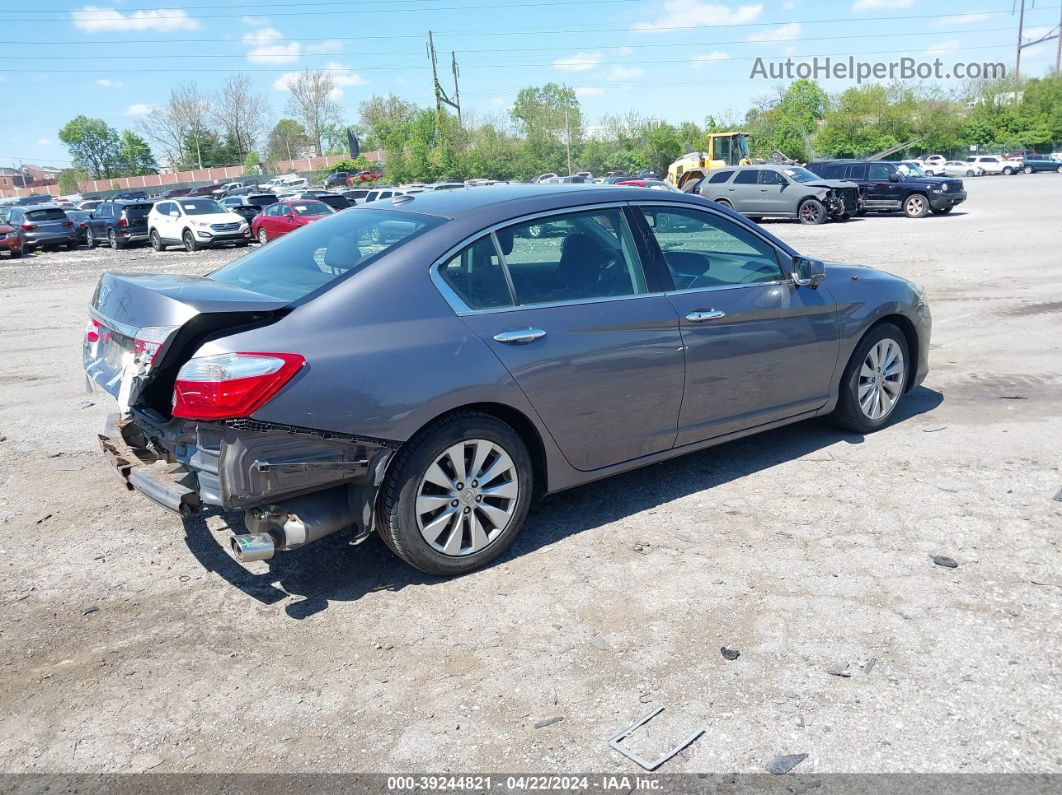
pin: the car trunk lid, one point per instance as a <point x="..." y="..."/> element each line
<point x="143" y="326"/>
<point x="50" y="221"/>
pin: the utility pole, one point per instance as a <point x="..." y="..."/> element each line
<point x="1058" y="51"/>
<point x="440" y="95"/>
<point x="567" y="131"/>
<point x="1021" y="29"/>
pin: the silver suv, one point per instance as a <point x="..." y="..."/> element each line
<point x="43" y="226"/>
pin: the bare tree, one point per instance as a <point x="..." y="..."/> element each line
<point x="191" y="106"/>
<point x="311" y="103"/>
<point x="240" y="112"/>
<point x="178" y="126"/>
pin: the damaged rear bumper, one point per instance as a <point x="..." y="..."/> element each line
<point x="187" y="466"/>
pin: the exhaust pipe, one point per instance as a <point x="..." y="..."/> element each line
<point x="292" y="524"/>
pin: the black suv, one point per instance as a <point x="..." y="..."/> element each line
<point x="249" y="205"/>
<point x="888" y="189"/>
<point x="118" y="223"/>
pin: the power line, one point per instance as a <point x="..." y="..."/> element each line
<point x="672" y="45"/>
<point x="551" y="32"/>
<point x="494" y="66"/>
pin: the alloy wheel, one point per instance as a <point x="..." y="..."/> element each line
<point x="467" y="497"/>
<point x="810" y="212"/>
<point x="881" y="379"/>
<point x="262" y="237"/>
<point x="916" y="206"/>
<point x="113" y="239"/>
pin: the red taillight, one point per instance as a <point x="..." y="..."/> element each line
<point x="28" y="227"/>
<point x="231" y="385"/>
<point x="70" y="223"/>
<point x="122" y="222"/>
<point x="92" y="330"/>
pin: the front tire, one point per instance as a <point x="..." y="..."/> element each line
<point x="969" y="173"/>
<point x="156" y="241"/>
<point x="874" y="380"/>
<point x="1008" y="171"/>
<point x="811" y="212"/>
<point x="189" y="242"/>
<point x="1028" y="169"/>
<point x="916" y="206"/>
<point x="457" y="494"/>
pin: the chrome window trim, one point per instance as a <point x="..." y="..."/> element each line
<point x="461" y="309"/>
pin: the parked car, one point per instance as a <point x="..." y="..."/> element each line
<point x="206" y="190"/>
<point x="195" y="223"/>
<point x="959" y="168"/>
<point x="90" y="204"/>
<point x="930" y="163"/>
<point x="248" y="206"/>
<point x="80" y="219"/>
<point x="886" y="189"/>
<point x="335" y="201"/>
<point x="388" y="192"/>
<point x="42" y="226"/>
<point x="431" y="389"/>
<point x="782" y="192"/>
<point x="1035" y="163"/>
<point x="118" y="223"/>
<point x="287" y="216"/>
<point x="995" y="164"/>
<point x="130" y="195"/>
<point x="356" y="195"/>
<point x="10" y="240"/>
<point x="173" y="193"/>
<point x="655" y="184"/>
<point x="337" y="179"/>
<point x="230" y="188"/>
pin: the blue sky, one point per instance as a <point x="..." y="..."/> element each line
<point x="670" y="59"/>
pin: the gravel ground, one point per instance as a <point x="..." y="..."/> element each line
<point x="131" y="643"/>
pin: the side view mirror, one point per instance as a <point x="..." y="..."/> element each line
<point x="894" y="177"/>
<point x="808" y="272"/>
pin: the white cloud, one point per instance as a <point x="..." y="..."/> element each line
<point x="963" y="19"/>
<point x="105" y="83"/>
<point x="625" y="72"/>
<point x="589" y="91"/>
<point x="255" y="22"/>
<point x="881" y="5"/>
<point x="703" y="60"/>
<point x="580" y="62"/>
<point x="693" y="13"/>
<point x="3" y="79"/>
<point x="942" y="47"/>
<point x="43" y="141"/>
<point x="93" y="19"/>
<point x="138" y="109"/>
<point x="268" y="45"/>
<point x="783" y="33"/>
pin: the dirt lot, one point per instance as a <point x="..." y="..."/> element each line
<point x="130" y="642"/>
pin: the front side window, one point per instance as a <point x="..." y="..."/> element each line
<point x="702" y="250"/>
<point x="878" y="171"/>
<point x="799" y="174"/>
<point x="478" y="277"/>
<point x="719" y="176"/>
<point x="768" y="177"/>
<point x="572" y="257"/>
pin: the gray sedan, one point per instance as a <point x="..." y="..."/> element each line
<point x="426" y="368"/>
<point x="782" y="192"/>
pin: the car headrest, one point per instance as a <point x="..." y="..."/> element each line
<point x="341" y="253"/>
<point x="505" y="240"/>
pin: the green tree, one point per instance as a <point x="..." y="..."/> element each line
<point x="69" y="179"/>
<point x="94" y="146"/>
<point x="251" y="165"/>
<point x="549" y="118"/>
<point x="134" y="156"/>
<point x="286" y="140"/>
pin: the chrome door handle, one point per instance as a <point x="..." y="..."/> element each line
<point x="520" y="337"/>
<point x="706" y="314"/>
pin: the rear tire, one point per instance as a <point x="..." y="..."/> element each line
<point x="916" y="206"/>
<point x="725" y="203"/>
<point x="811" y="212"/>
<point x="116" y="243"/>
<point x="858" y="375"/>
<point x="452" y="516"/>
<point x="263" y="238"/>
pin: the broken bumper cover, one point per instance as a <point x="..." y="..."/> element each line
<point x="186" y="466"/>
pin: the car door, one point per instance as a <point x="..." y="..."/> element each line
<point x="574" y="320"/>
<point x="758" y="348"/>
<point x="283" y="220"/>
<point x="743" y="191"/>
<point x="98" y="223"/>
<point x="776" y="198"/>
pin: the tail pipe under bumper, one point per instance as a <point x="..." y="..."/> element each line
<point x="293" y="523"/>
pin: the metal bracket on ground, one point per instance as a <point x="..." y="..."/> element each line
<point x="616" y="742"/>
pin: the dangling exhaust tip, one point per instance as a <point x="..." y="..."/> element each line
<point x="252" y="546"/>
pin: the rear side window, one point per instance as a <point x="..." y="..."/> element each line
<point x="572" y="257"/>
<point x="477" y="276"/>
<point x="136" y="211"/>
<point x="857" y="172"/>
<point x="323" y="253"/>
<point x="745" y="178"/>
<point x="719" y="176"/>
<point x="52" y="214"/>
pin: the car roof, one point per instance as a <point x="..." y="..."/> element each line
<point x="520" y="198"/>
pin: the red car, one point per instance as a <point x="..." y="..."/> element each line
<point x="10" y="241"/>
<point x="278" y="219"/>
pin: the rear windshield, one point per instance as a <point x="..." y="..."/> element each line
<point x="201" y="207"/>
<point x="311" y="208"/>
<point x="136" y="210"/>
<point x="53" y="214"/>
<point x="322" y="253"/>
<point x="262" y="199"/>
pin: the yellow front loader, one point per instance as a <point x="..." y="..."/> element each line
<point x="724" y="149"/>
